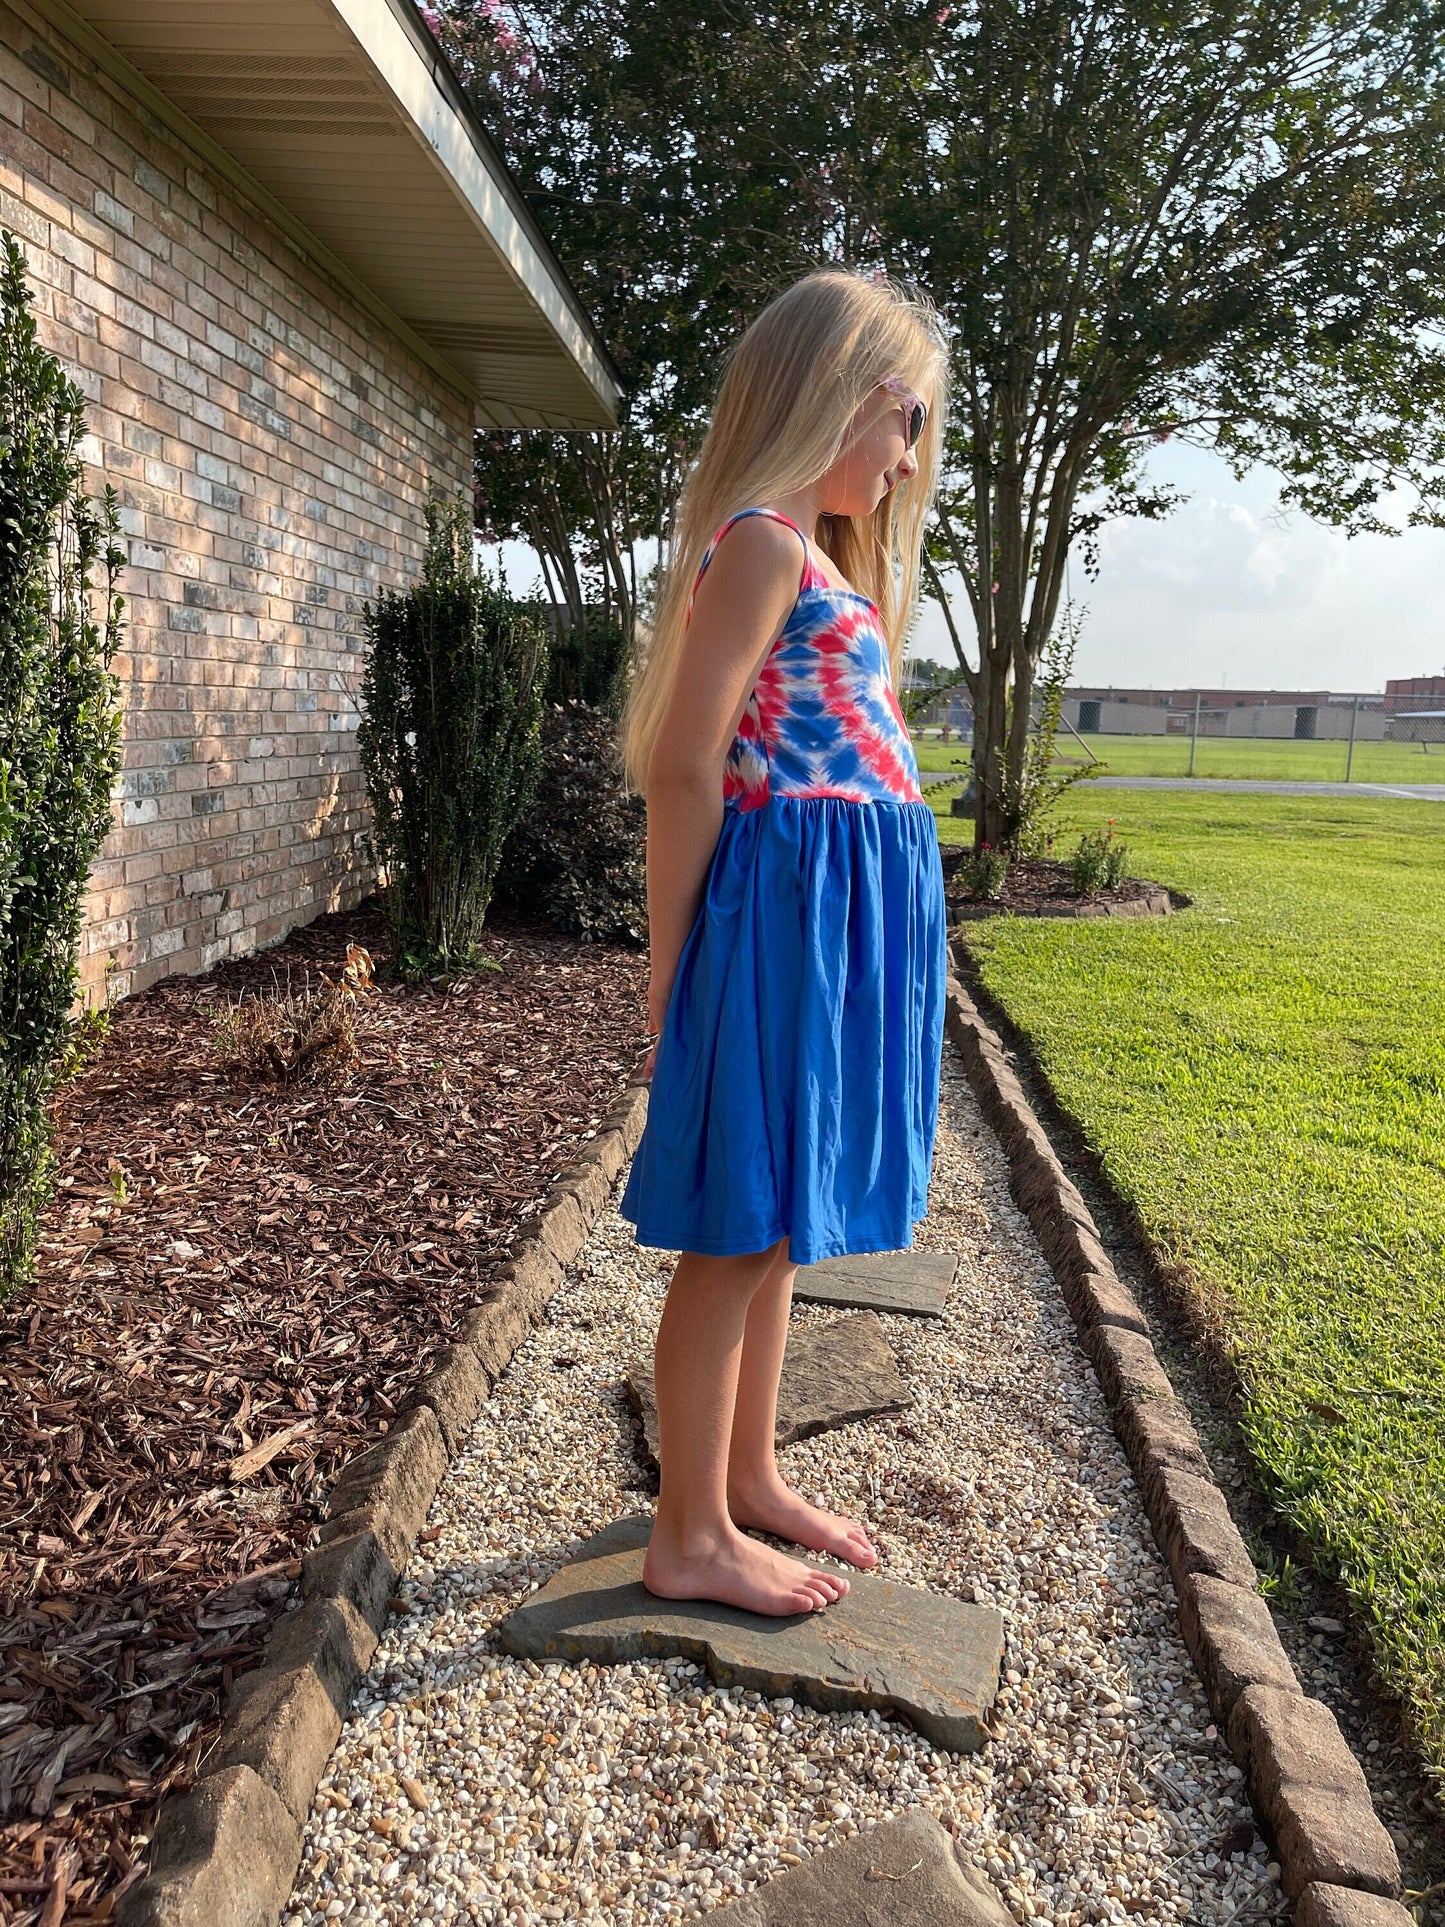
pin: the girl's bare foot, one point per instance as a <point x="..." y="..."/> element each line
<point x="776" y="1508"/>
<point x="736" y="1571"/>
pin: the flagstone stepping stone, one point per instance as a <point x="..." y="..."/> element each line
<point x="907" y="1871"/>
<point x="898" y="1648"/>
<point x="833" y="1374"/>
<point x="916" y="1281"/>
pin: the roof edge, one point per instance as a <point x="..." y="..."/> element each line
<point x="449" y="84"/>
<point x="63" y="17"/>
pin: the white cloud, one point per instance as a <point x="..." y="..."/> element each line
<point x="1229" y="590"/>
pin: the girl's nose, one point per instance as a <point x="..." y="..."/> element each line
<point x="908" y="466"/>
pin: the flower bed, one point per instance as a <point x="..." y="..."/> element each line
<point x="1045" y="887"/>
<point x="239" y="1283"/>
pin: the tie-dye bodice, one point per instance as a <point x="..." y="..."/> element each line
<point x="822" y="719"/>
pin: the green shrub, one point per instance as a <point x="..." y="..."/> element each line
<point x="1098" y="863"/>
<point x="59" y="737"/>
<point x="451" y="700"/>
<point x="576" y="858"/>
<point x="589" y="664"/>
<point x="984" y="872"/>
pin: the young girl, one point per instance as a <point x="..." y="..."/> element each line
<point x="795" y="904"/>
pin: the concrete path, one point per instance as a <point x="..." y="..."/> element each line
<point x="471" y="1786"/>
<point x="1241" y="786"/>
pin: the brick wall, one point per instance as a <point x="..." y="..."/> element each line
<point x="272" y="448"/>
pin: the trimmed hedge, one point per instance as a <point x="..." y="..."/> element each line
<point x="59" y="742"/>
<point x="451" y="701"/>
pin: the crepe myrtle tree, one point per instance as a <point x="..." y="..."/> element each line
<point x="688" y="161"/>
<point x="1145" y="219"/>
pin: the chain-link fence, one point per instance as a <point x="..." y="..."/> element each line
<point x="1348" y="738"/>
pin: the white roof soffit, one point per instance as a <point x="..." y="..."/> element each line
<point x="344" y="116"/>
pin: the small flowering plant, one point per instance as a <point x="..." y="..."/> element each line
<point x="1099" y="861"/>
<point x="984" y="872"/>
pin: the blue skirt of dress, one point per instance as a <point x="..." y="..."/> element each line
<point x="795" y="1090"/>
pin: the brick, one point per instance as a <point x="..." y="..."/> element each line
<point x="1195" y="1531"/>
<point x="396" y="1479"/>
<point x="1126" y="1364"/>
<point x="285" y="1717"/>
<point x="455" y="1391"/>
<point x="1098" y="1298"/>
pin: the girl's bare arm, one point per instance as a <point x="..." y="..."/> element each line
<point x="742" y="604"/>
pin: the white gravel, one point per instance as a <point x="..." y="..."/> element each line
<point x="469" y="1786"/>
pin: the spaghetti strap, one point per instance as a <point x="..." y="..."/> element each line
<point x="812" y="575"/>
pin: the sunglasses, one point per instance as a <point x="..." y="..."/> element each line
<point x="915" y="409"/>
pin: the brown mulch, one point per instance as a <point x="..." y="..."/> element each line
<point x="1034" y="887"/>
<point x="232" y="1265"/>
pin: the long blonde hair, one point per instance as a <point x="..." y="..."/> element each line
<point x="792" y="387"/>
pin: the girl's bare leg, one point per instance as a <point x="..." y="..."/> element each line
<point x="696" y="1550"/>
<point x="757" y="1494"/>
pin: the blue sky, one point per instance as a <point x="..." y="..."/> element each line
<point x="1229" y="592"/>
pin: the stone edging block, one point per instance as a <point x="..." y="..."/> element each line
<point x="1336" y="1859"/>
<point x="1323" y="1905"/>
<point x="1312" y="1793"/>
<point x="226" y="1852"/>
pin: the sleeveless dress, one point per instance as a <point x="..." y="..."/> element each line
<point x="795" y="1087"/>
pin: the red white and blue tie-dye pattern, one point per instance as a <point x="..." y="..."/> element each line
<point x="794" y="1092"/>
<point x="822" y="719"/>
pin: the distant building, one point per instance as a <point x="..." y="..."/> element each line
<point x="1414" y="692"/>
<point x="1208" y="698"/>
<point x="1300" y="714"/>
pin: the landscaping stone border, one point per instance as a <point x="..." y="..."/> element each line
<point x="226" y="1852"/>
<point x="1337" y="1862"/>
<point x="1156" y="902"/>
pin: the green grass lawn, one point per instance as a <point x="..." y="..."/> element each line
<point x="1227" y="756"/>
<point x="1263" y="1076"/>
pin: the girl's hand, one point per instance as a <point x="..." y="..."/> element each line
<point x="657" y="1000"/>
<point x="658" y="996"/>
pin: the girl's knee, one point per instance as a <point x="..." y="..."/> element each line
<point x="741" y="1275"/>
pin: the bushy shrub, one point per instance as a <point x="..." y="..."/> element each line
<point x="451" y="700"/>
<point x="589" y="664"/>
<point x="59" y="737"/>
<point x="576" y="858"/>
<point x="984" y="871"/>
<point x="1098" y="863"/>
